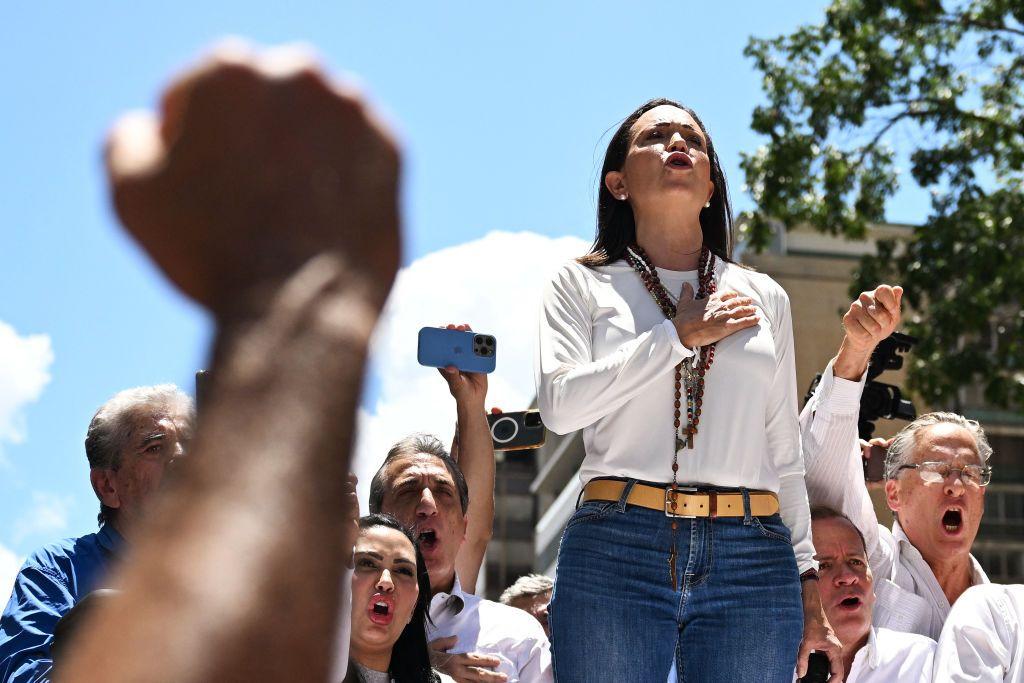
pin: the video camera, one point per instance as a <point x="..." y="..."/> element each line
<point x="881" y="400"/>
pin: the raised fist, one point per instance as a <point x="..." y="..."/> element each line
<point x="873" y="317"/>
<point x="256" y="163"/>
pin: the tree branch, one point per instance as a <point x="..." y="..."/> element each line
<point x="953" y="111"/>
<point x="878" y="136"/>
<point x="984" y="25"/>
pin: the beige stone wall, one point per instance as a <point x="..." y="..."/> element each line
<point x="818" y="286"/>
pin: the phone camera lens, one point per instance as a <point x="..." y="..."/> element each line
<point x="504" y="430"/>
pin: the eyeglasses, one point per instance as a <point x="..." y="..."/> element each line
<point x="937" y="472"/>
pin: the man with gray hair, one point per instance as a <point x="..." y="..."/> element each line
<point x="131" y="441"/>
<point x="936" y="471"/>
<point x="531" y="593"/>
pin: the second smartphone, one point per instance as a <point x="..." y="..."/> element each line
<point x="516" y="431"/>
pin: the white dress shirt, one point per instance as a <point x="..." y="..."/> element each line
<point x="605" y="365"/>
<point x="908" y="597"/>
<point x="491" y="628"/>
<point x="892" y="657"/>
<point x="983" y="639"/>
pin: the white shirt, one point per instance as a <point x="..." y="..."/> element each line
<point x="491" y="628"/>
<point x="605" y="365"/>
<point x="908" y="597"/>
<point x="892" y="657"/>
<point x="983" y="639"/>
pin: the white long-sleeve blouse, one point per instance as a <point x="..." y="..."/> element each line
<point x="605" y="365"/>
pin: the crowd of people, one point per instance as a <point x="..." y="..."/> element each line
<point x="720" y="534"/>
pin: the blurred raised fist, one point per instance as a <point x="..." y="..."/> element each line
<point x="256" y="163"/>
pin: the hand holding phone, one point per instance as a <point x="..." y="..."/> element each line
<point x="874" y="458"/>
<point x="818" y="669"/>
<point x="463" y="349"/>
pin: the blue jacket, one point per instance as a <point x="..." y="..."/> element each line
<point x="50" y="583"/>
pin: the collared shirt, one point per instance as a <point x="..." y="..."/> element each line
<point x="891" y="656"/>
<point x="983" y="639"/>
<point x="908" y="597"/>
<point x="50" y="583"/>
<point x="491" y="628"/>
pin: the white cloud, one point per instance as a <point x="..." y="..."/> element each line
<point x="494" y="284"/>
<point x="47" y="516"/>
<point x="24" y="371"/>
<point x="9" y="566"/>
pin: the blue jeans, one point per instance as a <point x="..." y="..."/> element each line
<point x="736" y="613"/>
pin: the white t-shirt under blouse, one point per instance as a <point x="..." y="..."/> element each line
<point x="606" y="365"/>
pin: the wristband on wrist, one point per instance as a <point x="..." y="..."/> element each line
<point x="809" y="575"/>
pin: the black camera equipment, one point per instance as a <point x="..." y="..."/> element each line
<point x="881" y="400"/>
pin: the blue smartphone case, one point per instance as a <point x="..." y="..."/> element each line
<point x="468" y="351"/>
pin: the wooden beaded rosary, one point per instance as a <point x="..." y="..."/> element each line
<point x="695" y="367"/>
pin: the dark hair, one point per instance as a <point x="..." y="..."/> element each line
<point x="411" y="445"/>
<point x="819" y="512"/>
<point x="616" y="226"/>
<point x="410" y="656"/>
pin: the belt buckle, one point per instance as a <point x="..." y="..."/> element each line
<point x="668" y="501"/>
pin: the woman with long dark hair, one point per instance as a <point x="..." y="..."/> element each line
<point x="390" y="601"/>
<point x="691" y="544"/>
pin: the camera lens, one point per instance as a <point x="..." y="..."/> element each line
<point x="532" y="421"/>
<point x="479" y="339"/>
<point x="504" y="430"/>
<point x="488" y="341"/>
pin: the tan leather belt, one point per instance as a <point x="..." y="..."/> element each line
<point x="689" y="503"/>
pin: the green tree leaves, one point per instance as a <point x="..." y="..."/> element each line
<point x="942" y="83"/>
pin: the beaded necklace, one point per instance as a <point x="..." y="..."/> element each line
<point x="693" y="369"/>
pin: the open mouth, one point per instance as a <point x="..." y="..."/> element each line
<point x="428" y="539"/>
<point x="381" y="609"/>
<point x="851" y="603"/>
<point x="953" y="520"/>
<point x="678" y="160"/>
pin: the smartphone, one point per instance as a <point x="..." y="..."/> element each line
<point x="516" y="431"/>
<point x="874" y="464"/>
<point x="817" y="668"/>
<point x="468" y="351"/>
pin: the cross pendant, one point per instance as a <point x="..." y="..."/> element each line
<point x="690" y="431"/>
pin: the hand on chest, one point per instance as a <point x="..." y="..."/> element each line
<point x="746" y="356"/>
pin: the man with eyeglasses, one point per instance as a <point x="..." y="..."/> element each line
<point x="936" y="470"/>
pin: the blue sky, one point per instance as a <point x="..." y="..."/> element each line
<point x="502" y="109"/>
